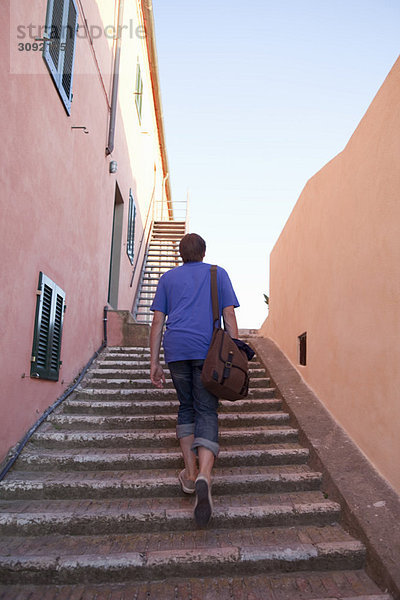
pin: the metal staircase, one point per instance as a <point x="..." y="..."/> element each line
<point x="162" y="254"/>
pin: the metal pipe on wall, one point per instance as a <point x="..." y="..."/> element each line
<point x="114" y="97"/>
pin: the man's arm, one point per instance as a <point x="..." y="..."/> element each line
<point x="156" y="371"/>
<point x="230" y="321"/>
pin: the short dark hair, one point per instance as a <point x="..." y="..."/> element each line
<point x="192" y="248"/>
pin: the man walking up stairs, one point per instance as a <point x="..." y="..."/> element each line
<point x="93" y="507"/>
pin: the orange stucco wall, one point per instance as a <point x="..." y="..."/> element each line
<point x="335" y="274"/>
<point x="57" y="197"/>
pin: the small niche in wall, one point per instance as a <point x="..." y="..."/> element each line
<point x="303" y="349"/>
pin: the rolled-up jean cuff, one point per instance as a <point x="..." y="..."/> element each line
<point x="184" y="429"/>
<point x="213" y="446"/>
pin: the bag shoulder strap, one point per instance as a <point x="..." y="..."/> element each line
<point x="214" y="295"/>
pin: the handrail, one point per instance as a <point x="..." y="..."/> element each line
<point x="151" y="206"/>
<point x="187" y="213"/>
<point x="160" y="214"/>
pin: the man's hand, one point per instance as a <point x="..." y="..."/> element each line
<point x="157" y="375"/>
<point x="230" y="321"/>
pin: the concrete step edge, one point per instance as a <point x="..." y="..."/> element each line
<point x="226" y="420"/>
<point x="125" y="373"/>
<point x="60" y="436"/>
<point x="112" y="460"/>
<point x="117" y="519"/>
<point x="132" y="383"/>
<point x="31" y="455"/>
<point x="146" y="406"/>
<point x="253" y="392"/>
<point x="363" y="597"/>
<point x="163" y="486"/>
<point x="164" y="563"/>
<point x="168" y="590"/>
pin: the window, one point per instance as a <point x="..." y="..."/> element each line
<point x="139" y="92"/>
<point x="59" y="51"/>
<point x="50" y="307"/>
<point x="131" y="227"/>
<point x="303" y="349"/>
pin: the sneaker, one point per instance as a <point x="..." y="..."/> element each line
<point x="203" y="506"/>
<point x="187" y="485"/>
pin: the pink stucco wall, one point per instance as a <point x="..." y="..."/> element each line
<point x="335" y="274"/>
<point x="57" y="201"/>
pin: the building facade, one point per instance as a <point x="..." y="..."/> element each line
<point x="84" y="175"/>
<point x="335" y="284"/>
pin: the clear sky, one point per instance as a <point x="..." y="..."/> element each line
<point x="257" y="97"/>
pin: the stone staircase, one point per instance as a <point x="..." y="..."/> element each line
<point x="93" y="508"/>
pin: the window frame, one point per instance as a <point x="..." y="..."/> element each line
<point x="47" y="337"/>
<point x="302" y="349"/>
<point x="66" y="48"/>
<point x="130" y="240"/>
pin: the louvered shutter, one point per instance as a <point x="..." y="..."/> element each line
<point x="69" y="52"/>
<point x="59" y="52"/>
<point x="45" y="362"/>
<point x="130" y="244"/>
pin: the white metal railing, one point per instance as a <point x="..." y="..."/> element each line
<point x="180" y="211"/>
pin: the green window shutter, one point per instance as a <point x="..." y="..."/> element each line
<point x="139" y="92"/>
<point x="130" y="244"/>
<point x="59" y="51"/>
<point x="45" y="362"/>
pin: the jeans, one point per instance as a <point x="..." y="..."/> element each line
<point x="197" y="413"/>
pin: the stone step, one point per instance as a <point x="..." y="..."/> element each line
<point x="106" y="373"/>
<point x="150" y="483"/>
<point x="89" y="517"/>
<point x="125" y="350"/>
<point x="154" y="439"/>
<point x="163" y="564"/>
<point x="95" y="497"/>
<point x="124" y="382"/>
<point x="124" y="363"/>
<point x="129" y="383"/>
<point x="138" y="354"/>
<point x="155" y="394"/>
<point x="137" y="350"/>
<point x="163" y="421"/>
<point x="319" y="585"/>
<point x="155" y="407"/>
<point x="108" y="459"/>
<point x="133" y="354"/>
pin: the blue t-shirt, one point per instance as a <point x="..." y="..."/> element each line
<point x="184" y="294"/>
